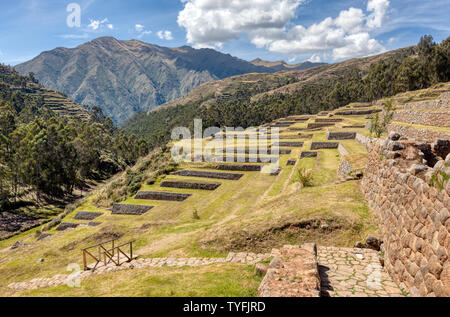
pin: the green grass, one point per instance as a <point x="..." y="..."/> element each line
<point x="169" y="230"/>
<point x="221" y="280"/>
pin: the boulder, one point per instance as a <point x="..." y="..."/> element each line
<point x="394" y="136"/>
<point x="439" y="165"/>
<point x="276" y="263"/>
<point x="373" y="242"/>
<point x="417" y="169"/>
<point x="447" y="160"/>
<point x="395" y="146"/>
<point x="261" y="269"/>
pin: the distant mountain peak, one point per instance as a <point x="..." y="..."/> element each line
<point x="125" y="76"/>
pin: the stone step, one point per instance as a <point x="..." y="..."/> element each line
<point x="214" y="175"/>
<point x="324" y="145"/>
<point x="87" y="215"/>
<point x="308" y="154"/>
<point x="152" y="195"/>
<point x="341" y="135"/>
<point x="133" y="210"/>
<point x="67" y="225"/>
<point x="293" y="272"/>
<point x="289" y="144"/>
<point x="189" y="185"/>
<point x="240" y="167"/>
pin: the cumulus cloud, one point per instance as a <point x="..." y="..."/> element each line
<point x="214" y="22"/>
<point x="141" y="30"/>
<point x="314" y="59"/>
<point x="379" y="9"/>
<point x="268" y="24"/>
<point x="96" y="24"/>
<point x="165" y="35"/>
<point x="139" y="27"/>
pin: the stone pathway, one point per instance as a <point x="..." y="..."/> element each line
<point x="347" y="272"/>
<point x="344" y="272"/>
<point x="64" y="279"/>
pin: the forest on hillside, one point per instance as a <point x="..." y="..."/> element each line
<point x="420" y="67"/>
<point x="45" y="156"/>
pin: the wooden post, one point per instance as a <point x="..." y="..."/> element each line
<point x="131" y="251"/>
<point x="113" y="248"/>
<point x="84" y="260"/>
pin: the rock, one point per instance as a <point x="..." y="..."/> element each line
<point x="276" y="263"/>
<point x="417" y="168"/>
<point x="424" y="147"/>
<point x="40" y="261"/>
<point x="360" y="245"/>
<point x="447" y="160"/>
<point x="395" y="146"/>
<point x="17" y="245"/>
<point x="392" y="155"/>
<point x="439" y="165"/>
<point x="373" y="242"/>
<point x="324" y="226"/>
<point x="394" y="136"/>
<point x="261" y="269"/>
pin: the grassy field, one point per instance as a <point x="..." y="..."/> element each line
<point x="256" y="213"/>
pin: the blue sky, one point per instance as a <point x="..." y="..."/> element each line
<point x="293" y="30"/>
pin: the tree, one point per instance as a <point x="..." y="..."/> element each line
<point x="380" y="124"/>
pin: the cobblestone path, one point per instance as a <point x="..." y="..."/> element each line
<point x="347" y="272"/>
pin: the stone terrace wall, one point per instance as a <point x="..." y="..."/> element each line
<point x="419" y="134"/>
<point x="414" y="218"/>
<point x="435" y="118"/>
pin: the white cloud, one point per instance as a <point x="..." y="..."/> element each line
<point x="96" y="24"/>
<point x="214" y="22"/>
<point x="268" y="24"/>
<point x="139" y="27"/>
<point x="314" y="59"/>
<point x="75" y="36"/>
<point x="165" y="35"/>
<point x="379" y="10"/>
<point x="141" y="30"/>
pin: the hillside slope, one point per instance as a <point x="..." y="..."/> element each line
<point x="254" y="99"/>
<point x="52" y="150"/>
<point x="123" y="77"/>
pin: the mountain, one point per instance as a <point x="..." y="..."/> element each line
<point x="254" y="99"/>
<point x="44" y="99"/>
<point x="50" y="146"/>
<point x="123" y="77"/>
<point x="279" y="66"/>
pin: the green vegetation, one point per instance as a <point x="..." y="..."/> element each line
<point x="219" y="280"/>
<point x="409" y="69"/>
<point x="45" y="156"/>
<point x="380" y="125"/>
<point x="305" y="177"/>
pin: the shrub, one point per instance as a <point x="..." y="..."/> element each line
<point x="305" y="177"/>
<point x="379" y="126"/>
<point x="195" y="215"/>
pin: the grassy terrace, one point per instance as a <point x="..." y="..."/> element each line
<point x="258" y="204"/>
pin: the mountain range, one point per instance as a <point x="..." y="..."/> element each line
<point x="124" y="77"/>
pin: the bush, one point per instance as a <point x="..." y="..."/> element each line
<point x="195" y="215"/>
<point x="380" y="126"/>
<point x="305" y="177"/>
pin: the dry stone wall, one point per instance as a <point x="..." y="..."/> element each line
<point x="413" y="215"/>
<point x="435" y="118"/>
<point x="293" y="272"/>
<point x="419" y="134"/>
